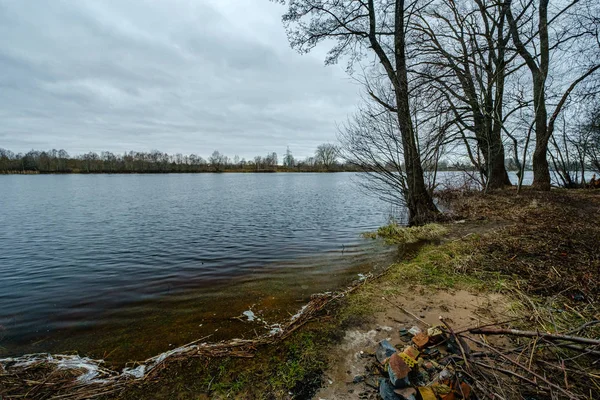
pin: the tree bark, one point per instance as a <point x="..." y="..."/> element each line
<point x="497" y="175"/>
<point x="419" y="202"/>
<point x="541" y="168"/>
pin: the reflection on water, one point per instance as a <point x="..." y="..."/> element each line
<point x="126" y="265"/>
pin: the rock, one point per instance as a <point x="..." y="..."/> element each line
<point x="398" y="372"/>
<point x="358" y="379"/>
<point x="386" y="391"/>
<point x="407" y="393"/>
<point x="384" y="350"/>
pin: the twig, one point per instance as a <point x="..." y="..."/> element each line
<point x="547" y="336"/>
<point x="486" y="325"/>
<point x="407" y="312"/>
<point x="582" y="327"/>
<point x="538" y="376"/>
<point x="507" y="372"/>
<point x="458" y="342"/>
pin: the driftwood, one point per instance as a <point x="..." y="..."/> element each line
<point x="534" y="334"/>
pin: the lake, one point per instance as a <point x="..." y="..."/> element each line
<point x="124" y="267"/>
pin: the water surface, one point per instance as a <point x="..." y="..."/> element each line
<point x="126" y="266"/>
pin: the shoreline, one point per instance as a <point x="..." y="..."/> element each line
<point x="504" y="245"/>
<point x="233" y="171"/>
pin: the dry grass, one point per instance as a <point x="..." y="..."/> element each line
<point x="549" y="256"/>
<point x="551" y="244"/>
<point x="397" y="234"/>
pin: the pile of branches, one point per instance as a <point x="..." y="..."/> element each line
<point x="71" y="377"/>
<point x="536" y="364"/>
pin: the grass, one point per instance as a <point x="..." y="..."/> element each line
<point x="397" y="234"/>
<point x="294" y="366"/>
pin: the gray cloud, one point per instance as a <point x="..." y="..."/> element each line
<point x="175" y="75"/>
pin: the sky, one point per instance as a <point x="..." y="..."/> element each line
<point x="180" y="76"/>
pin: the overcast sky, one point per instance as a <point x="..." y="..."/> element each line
<point x="188" y="76"/>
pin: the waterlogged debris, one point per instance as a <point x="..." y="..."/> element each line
<point x="427" y="393"/>
<point x="384" y="351"/>
<point x="420" y="340"/>
<point x="386" y="390"/>
<point x="137" y="372"/>
<point x="275" y="329"/>
<point x="421" y="371"/>
<point x="90" y="370"/>
<point x="82" y="363"/>
<point x="93" y="380"/>
<point x="250" y="315"/>
<point x="407" y="393"/>
<point x="415" y="330"/>
<point x="410" y="355"/>
<point x="435" y="334"/>
<point x="299" y="313"/>
<point x="398" y="371"/>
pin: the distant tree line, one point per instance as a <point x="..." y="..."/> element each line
<point x="326" y="159"/>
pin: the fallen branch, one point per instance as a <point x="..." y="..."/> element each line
<point x="570" y="395"/>
<point x="459" y="343"/>
<point x="405" y="311"/>
<point x="547" y="336"/>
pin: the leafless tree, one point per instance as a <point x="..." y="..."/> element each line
<point x="326" y="155"/>
<point x="464" y="64"/>
<point x="370" y="141"/>
<point x="379" y="29"/>
<point x="546" y="36"/>
<point x="217" y="161"/>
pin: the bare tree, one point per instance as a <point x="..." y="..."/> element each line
<point x="370" y="141"/>
<point x="377" y="28"/>
<point x="574" y="35"/>
<point x="217" y="161"/>
<point x="463" y="46"/>
<point x="327" y="154"/>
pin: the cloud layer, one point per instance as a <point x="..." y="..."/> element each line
<point x="175" y="75"/>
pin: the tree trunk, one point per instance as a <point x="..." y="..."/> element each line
<point x="497" y="175"/>
<point x="420" y="204"/>
<point x="541" y="168"/>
